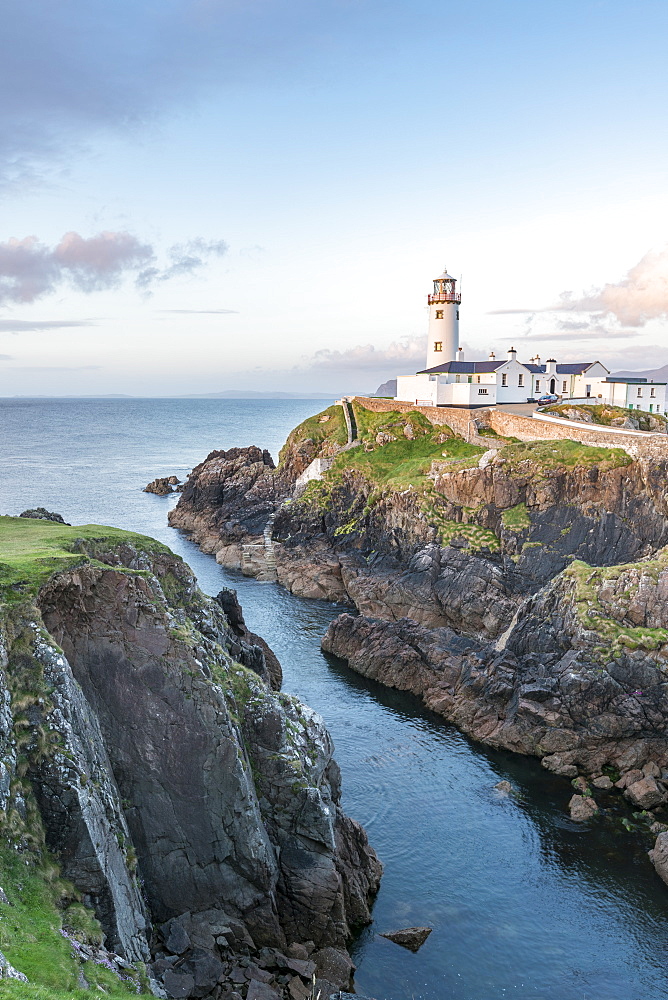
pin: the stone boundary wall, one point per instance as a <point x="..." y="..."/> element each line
<point x="525" y="428"/>
<point x="459" y="419"/>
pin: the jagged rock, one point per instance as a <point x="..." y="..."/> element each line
<point x="260" y="991"/>
<point x="176" y="938"/>
<point x="162" y="486"/>
<point x="409" y="937"/>
<point x="178" y="983"/>
<point x="335" y="966"/>
<point x="41" y="514"/>
<point x="582" y="808"/>
<point x="233" y="857"/>
<point x="646" y="794"/>
<point x="659" y="856"/>
<point x="504" y="786"/>
<point x="557" y="765"/>
<point x="603" y="782"/>
<point x="7" y="971"/>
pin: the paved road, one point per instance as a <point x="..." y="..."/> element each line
<point x="524" y="409"/>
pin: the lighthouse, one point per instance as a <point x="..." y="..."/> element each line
<point x="443" y="336"/>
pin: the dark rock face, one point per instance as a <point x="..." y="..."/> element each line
<point x="42" y="514"/>
<point x="178" y="765"/>
<point x="227" y="502"/>
<point x="546" y="688"/>
<point x="381" y="551"/>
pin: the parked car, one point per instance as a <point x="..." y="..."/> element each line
<point x="549" y="397"/>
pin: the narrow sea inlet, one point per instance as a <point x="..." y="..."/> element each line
<point x="523" y="902"/>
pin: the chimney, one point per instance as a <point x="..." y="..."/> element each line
<point x="512" y="354"/>
<point x="551" y="367"/>
<point x="492" y="356"/>
<point x="460" y="354"/>
<point x="537" y="359"/>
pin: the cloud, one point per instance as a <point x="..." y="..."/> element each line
<point x="408" y="351"/>
<point x="30" y="269"/>
<point x="31" y="325"/>
<point x="642" y="295"/>
<point x="203" y="312"/>
<point x="6" y="357"/>
<point x="70" y="70"/>
<point x="56" y="368"/>
<point x="184" y="260"/>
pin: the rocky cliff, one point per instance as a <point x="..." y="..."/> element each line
<point x="518" y="588"/>
<point x="190" y="805"/>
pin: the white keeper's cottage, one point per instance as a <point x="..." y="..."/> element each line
<point x="449" y="380"/>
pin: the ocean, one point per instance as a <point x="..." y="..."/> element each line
<point x="523" y="902"/>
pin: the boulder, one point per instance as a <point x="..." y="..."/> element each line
<point x="178" y="984"/>
<point x="41" y="514"/>
<point x="335" y="966"/>
<point x="409" y="937"/>
<point x="659" y="856"/>
<point x="162" y="486"/>
<point x="646" y="793"/>
<point x="603" y="782"/>
<point x="504" y="786"/>
<point x="582" y="808"/>
<point x="261" y="991"/>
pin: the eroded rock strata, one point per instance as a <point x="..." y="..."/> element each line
<point x="519" y="589"/>
<point x="192" y="805"/>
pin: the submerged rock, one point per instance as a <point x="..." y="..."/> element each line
<point x="410" y="937"/>
<point x="163" y="486"/>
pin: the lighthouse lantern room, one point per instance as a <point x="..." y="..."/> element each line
<point x="443" y="334"/>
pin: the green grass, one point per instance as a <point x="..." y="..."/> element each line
<point x="30" y="935"/>
<point x="604" y="414"/>
<point x="31" y="551"/>
<point x="318" y="430"/>
<point x="516" y="518"/>
<point x="562" y="454"/>
<point x="370" y="422"/>
<point x="403" y="463"/>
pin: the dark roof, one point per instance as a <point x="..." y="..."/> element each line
<point x="632" y="381"/>
<point x="574" y="369"/>
<point x="463" y="367"/>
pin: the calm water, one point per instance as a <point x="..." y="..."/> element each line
<point x="523" y="903"/>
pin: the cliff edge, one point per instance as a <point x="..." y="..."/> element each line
<point x="191" y="808"/>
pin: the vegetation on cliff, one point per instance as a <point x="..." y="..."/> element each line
<point x="32" y="551"/>
<point x="608" y="415"/>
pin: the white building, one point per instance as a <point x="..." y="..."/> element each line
<point x="449" y="380"/>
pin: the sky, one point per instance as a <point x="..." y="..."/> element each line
<point x="202" y="195"/>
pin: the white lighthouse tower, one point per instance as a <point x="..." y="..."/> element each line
<point x="443" y="337"/>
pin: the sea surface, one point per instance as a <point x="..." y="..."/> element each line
<point x="523" y="902"/>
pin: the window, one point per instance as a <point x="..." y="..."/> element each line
<point x="587" y="390"/>
<point x="537" y="385"/>
<point x="651" y="392"/>
<point x="458" y="314"/>
<point x="438" y="345"/>
<point x="458" y="378"/>
<point x="478" y="380"/>
<point x="504" y="380"/>
<point x="439" y="314"/>
<point x="563" y="385"/>
<point x="482" y="392"/>
<point x="520" y="379"/>
<point x="640" y="392"/>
